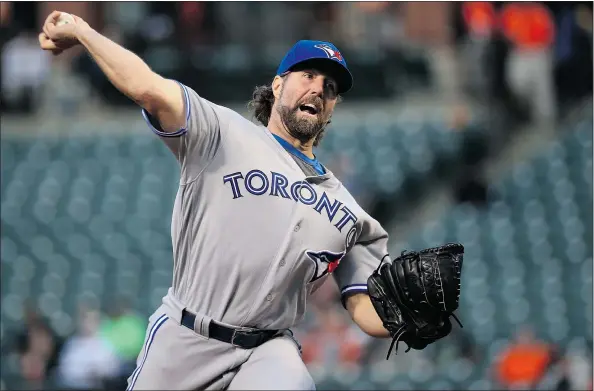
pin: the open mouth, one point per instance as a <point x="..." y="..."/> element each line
<point x="309" y="109"/>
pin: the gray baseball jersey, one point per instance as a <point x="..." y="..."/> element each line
<point x="253" y="235"/>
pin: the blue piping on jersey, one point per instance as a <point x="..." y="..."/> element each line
<point x="354" y="287"/>
<point x="179" y="132"/>
<point x="294" y="151"/>
<point x="151" y="337"/>
<point x="351" y="289"/>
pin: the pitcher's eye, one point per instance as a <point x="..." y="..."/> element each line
<point x="308" y="75"/>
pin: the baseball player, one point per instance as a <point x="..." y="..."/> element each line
<point x="258" y="222"/>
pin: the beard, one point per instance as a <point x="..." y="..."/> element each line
<point x="305" y="128"/>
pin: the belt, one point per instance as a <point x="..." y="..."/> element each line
<point x="241" y="338"/>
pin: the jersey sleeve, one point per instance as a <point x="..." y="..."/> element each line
<point x="358" y="264"/>
<point x="196" y="143"/>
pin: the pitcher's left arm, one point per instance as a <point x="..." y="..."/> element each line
<point x="364" y="315"/>
<point x="353" y="271"/>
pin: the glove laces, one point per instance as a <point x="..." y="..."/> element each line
<point x="457" y="320"/>
<point x="402" y="329"/>
<point x="399" y="333"/>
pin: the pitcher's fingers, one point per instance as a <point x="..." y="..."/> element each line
<point x="51" y="20"/>
<point x="49" y="30"/>
<point x="46" y="28"/>
<point x="42" y="39"/>
<point x="53" y="17"/>
<point x="49" y="45"/>
<point x="46" y="43"/>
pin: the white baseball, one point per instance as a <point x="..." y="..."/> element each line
<point x="65" y="18"/>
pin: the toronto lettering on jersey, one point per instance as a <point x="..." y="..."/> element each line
<point x="256" y="182"/>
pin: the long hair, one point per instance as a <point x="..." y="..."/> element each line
<point x="262" y="102"/>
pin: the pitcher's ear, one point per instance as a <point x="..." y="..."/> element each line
<point x="277" y="84"/>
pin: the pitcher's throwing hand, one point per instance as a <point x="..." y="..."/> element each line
<point x="57" y="37"/>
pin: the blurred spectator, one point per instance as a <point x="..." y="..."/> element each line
<point x="524" y="362"/>
<point x="124" y="330"/>
<point x="479" y="21"/>
<point x="38" y="348"/>
<point x="25" y="69"/>
<point x="482" y="53"/>
<point x="87" y="359"/>
<point x="530" y="29"/>
<point x="333" y="341"/>
<point x="480" y="17"/>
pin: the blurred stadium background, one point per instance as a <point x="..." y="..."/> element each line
<point x="468" y="122"/>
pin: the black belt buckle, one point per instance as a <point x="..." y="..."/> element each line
<point x="245" y="339"/>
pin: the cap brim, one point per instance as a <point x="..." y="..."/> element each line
<point x="343" y="77"/>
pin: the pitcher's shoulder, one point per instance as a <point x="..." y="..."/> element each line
<point x="235" y="120"/>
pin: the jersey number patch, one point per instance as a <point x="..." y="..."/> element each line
<point x="324" y="262"/>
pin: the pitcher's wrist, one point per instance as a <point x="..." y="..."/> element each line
<point x="81" y="31"/>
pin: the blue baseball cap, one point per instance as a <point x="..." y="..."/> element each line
<point x="324" y="56"/>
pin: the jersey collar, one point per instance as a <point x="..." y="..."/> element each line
<point x="294" y="151"/>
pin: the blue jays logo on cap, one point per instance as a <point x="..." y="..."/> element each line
<point x="332" y="53"/>
<point x="322" y="54"/>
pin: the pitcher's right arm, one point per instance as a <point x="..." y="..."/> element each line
<point x="187" y="123"/>
<point x="162" y="98"/>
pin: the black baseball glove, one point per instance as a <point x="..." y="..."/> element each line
<point x="416" y="294"/>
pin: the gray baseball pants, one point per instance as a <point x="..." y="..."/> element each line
<point x="176" y="358"/>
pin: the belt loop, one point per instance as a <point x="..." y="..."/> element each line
<point x="204" y="326"/>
